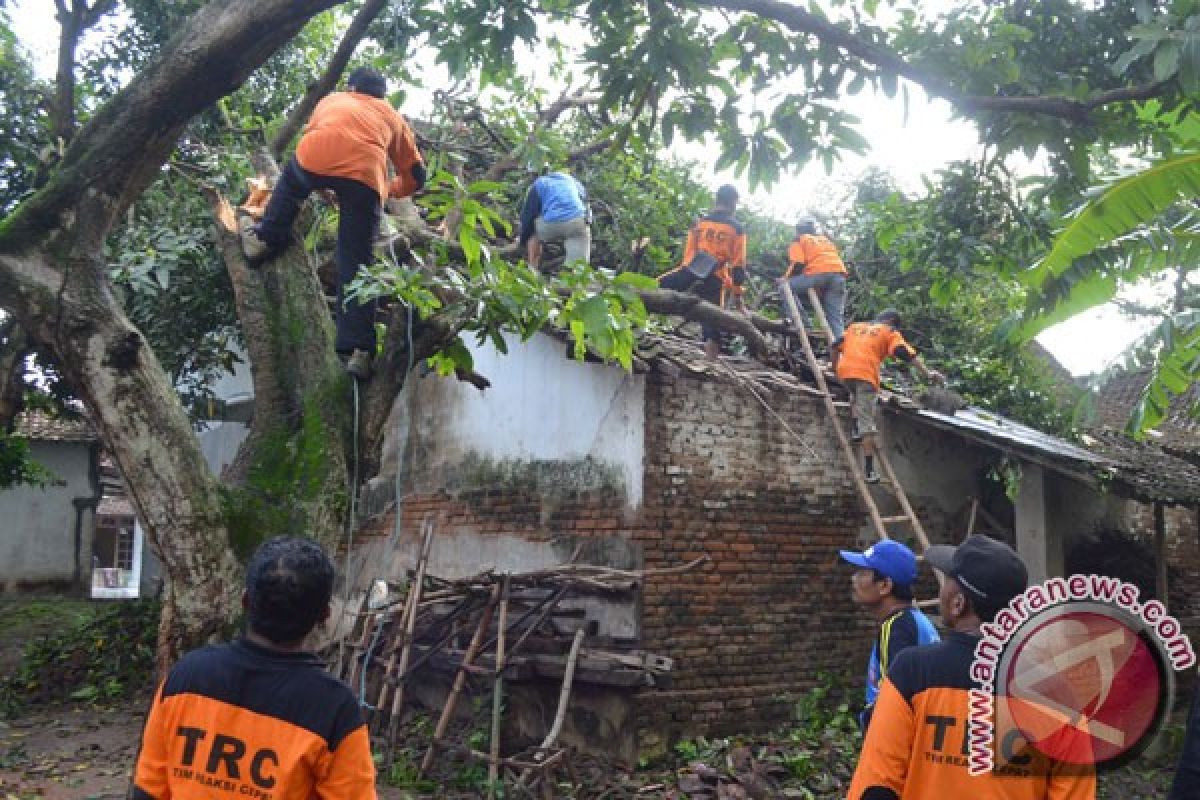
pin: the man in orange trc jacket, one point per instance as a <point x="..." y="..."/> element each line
<point x="917" y="747"/>
<point x="858" y="356"/>
<point x="260" y="718"/>
<point x="714" y="262"/>
<point x="346" y="147"/>
<point x="821" y="269"/>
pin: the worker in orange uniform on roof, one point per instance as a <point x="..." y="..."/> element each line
<point x="918" y="747"/>
<point x="347" y="144"/>
<point x="858" y="356"/>
<point x="821" y="269"/>
<point x="714" y="262"/>
<point x="260" y="717"/>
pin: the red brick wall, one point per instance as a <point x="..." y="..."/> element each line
<point x="772" y="611"/>
<point x="723" y="478"/>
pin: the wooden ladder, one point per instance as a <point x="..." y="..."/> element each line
<point x="878" y="521"/>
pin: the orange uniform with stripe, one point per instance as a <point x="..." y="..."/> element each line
<point x="863" y="348"/>
<point x="917" y="747"/>
<point x="722" y="237"/>
<point x="816" y="254"/>
<point x="239" y="721"/>
<point x="354" y="135"/>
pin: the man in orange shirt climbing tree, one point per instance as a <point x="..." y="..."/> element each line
<point x="346" y="147"/>
<point x="858" y="355"/>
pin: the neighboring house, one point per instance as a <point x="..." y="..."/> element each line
<point x="685" y="458"/>
<point x="79" y="532"/>
<point x="1178" y="433"/>
<point x="46" y="532"/>
<point x="122" y="565"/>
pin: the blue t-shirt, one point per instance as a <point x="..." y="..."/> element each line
<point x="555" y="197"/>
<point x="908" y="627"/>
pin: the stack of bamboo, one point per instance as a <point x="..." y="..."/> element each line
<point x="500" y="627"/>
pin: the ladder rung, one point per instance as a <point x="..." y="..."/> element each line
<point x="897" y="518"/>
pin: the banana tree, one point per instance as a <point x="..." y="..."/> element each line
<point x="1128" y="231"/>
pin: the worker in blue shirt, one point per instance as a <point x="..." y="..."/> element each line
<point x="556" y="210"/>
<point x="883" y="584"/>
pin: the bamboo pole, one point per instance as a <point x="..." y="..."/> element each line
<point x="409" y="625"/>
<point x="498" y="693"/>
<point x="460" y="679"/>
<point x="564" y="696"/>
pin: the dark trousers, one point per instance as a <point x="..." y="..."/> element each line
<point x="358" y="222"/>
<point x="708" y="288"/>
<point x="1187" y="775"/>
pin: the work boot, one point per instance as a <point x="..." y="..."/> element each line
<point x="359" y="364"/>
<point x="254" y="247"/>
<point x="855" y="436"/>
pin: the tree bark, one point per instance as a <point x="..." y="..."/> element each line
<point x="300" y="390"/>
<point x="14" y="346"/>
<point x="54" y="281"/>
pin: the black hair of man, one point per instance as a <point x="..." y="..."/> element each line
<point x="289" y="583"/>
<point x="808" y="225"/>
<point x="900" y="591"/>
<point x="727" y="196"/>
<point x="368" y="81"/>
<point x="889" y="316"/>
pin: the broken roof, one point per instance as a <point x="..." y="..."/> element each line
<point x="1179" y="430"/>
<point x="1142" y="471"/>
<point x="1146" y="471"/>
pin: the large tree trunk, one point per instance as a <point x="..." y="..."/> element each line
<point x="54" y="281"/>
<point x="302" y="398"/>
<point x="139" y="417"/>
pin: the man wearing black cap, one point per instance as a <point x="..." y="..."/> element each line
<point x="883" y="584"/>
<point x="347" y="144"/>
<point x="917" y="745"/>
<point x="858" y="355"/>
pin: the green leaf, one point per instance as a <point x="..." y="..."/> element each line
<point x="1120" y="208"/>
<point x="888" y="82"/>
<point x="1189" y="65"/>
<point x="1166" y="60"/>
<point x="636" y="280"/>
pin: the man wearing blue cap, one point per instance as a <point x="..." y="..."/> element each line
<point x="883" y="585"/>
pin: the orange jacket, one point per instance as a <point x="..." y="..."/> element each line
<point x="863" y="348"/>
<point x="354" y="135"/>
<point x="721" y="236"/>
<point x="238" y="721"/>
<point x="917" y="746"/>
<point x="816" y="254"/>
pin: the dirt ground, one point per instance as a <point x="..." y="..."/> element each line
<point x="86" y="752"/>
<point x="70" y="753"/>
<point x="79" y="753"/>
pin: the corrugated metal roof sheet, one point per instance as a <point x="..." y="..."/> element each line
<point x="997" y="427"/>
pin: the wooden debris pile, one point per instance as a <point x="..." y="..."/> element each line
<point x="493" y="629"/>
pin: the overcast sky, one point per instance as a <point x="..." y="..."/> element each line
<point x="907" y="146"/>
